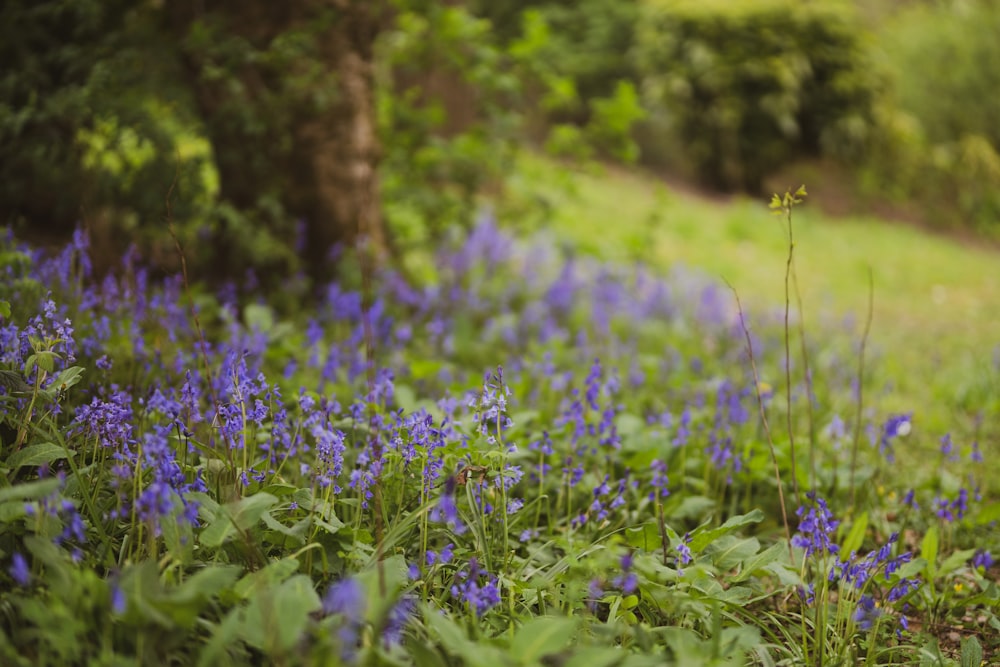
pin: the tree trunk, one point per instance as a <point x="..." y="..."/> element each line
<point x="286" y="90"/>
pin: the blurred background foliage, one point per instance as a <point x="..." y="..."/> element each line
<point x="99" y="120"/>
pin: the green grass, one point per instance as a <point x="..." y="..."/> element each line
<point x="935" y="329"/>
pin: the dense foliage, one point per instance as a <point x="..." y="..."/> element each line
<point x="751" y="85"/>
<point x="546" y="459"/>
<point x="939" y="143"/>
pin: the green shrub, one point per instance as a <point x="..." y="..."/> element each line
<point x="746" y="86"/>
<point x="588" y="40"/>
<point x="938" y="146"/>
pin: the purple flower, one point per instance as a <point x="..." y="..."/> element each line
<point x="446" y="511"/>
<point x="467" y="588"/>
<point x="19" y="569"/>
<point x="627" y="580"/>
<point x="896" y="426"/>
<point x="444" y="557"/>
<point x="683" y="553"/>
<point x="399" y="617"/>
<point x="867" y="612"/>
<point x="118" y="602"/>
<point x="948" y="449"/>
<point x="346" y="597"/>
<point x="982" y="559"/>
<point x="817" y="528"/>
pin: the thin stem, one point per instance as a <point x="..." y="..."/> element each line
<point x="763" y="418"/>
<point x="788" y="358"/>
<point x="808" y="380"/>
<point x="861" y="385"/>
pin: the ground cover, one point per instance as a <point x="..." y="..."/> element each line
<point x="534" y="458"/>
<point x="934" y="329"/>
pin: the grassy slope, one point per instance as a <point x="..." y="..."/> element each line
<point x="935" y="326"/>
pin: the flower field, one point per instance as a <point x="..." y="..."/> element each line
<point x="531" y="458"/>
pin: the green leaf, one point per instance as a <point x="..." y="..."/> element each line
<point x="540" y="637"/>
<point x="67" y="378"/>
<point x="854" y="538"/>
<point x="646" y="537"/>
<point x="46" y="360"/>
<point x="731" y="550"/>
<point x="259" y="317"/>
<point x="759" y="561"/>
<point x="221" y="637"/>
<point x="595" y="657"/>
<point x="184" y="603"/>
<point x="972" y="652"/>
<point x="929" y="551"/>
<point x="239" y="515"/>
<point x="13" y="382"/>
<point x="276" y="619"/>
<point x="269" y="576"/>
<point x="5" y="309"/>
<point x="36" y="455"/>
<point x="445" y="631"/>
<point x="701" y="539"/>
<point x="955" y="560"/>
<point x="30" y="491"/>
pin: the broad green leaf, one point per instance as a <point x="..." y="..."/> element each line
<point x="259" y="317"/>
<point x="36" y="455"/>
<point x="30" y="491"/>
<point x="13" y="382"/>
<point x="276" y="618"/>
<point x="730" y="550"/>
<point x="854" y="538"/>
<point x="12" y="510"/>
<point x="422" y="654"/>
<point x="540" y="637"/>
<point x="184" y="603"/>
<point x="443" y="629"/>
<point x="955" y="560"/>
<point x="295" y="532"/>
<point x="5" y="309"/>
<point x="405" y="397"/>
<point x="240" y="515"/>
<point x="67" y="378"/>
<point x="929" y="551"/>
<point x="759" y="561"/>
<point x="629" y="424"/>
<point x="46" y="360"/>
<point x="267" y="577"/>
<point x="691" y="507"/>
<point x="207" y="582"/>
<point x="221" y="637"/>
<point x="596" y="657"/>
<point x="701" y="539"/>
<point x="394" y="573"/>
<point x="972" y="652"/>
<point x="646" y="537"/>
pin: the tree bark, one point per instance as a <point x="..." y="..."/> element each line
<point x="287" y="93"/>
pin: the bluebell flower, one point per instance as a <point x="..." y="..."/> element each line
<point x="346" y="597"/>
<point x="399" y="617"/>
<point x="446" y="511"/>
<point x="982" y="559"/>
<point x="444" y="557"/>
<point x="684" y="555"/>
<point x="19" y="569"/>
<point x="118" y="602"/>
<point x="896" y="426"/>
<point x="468" y="588"/>
<point x="817" y="528"/>
<point x="867" y="612"/>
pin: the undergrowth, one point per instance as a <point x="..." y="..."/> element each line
<point x="547" y="460"/>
